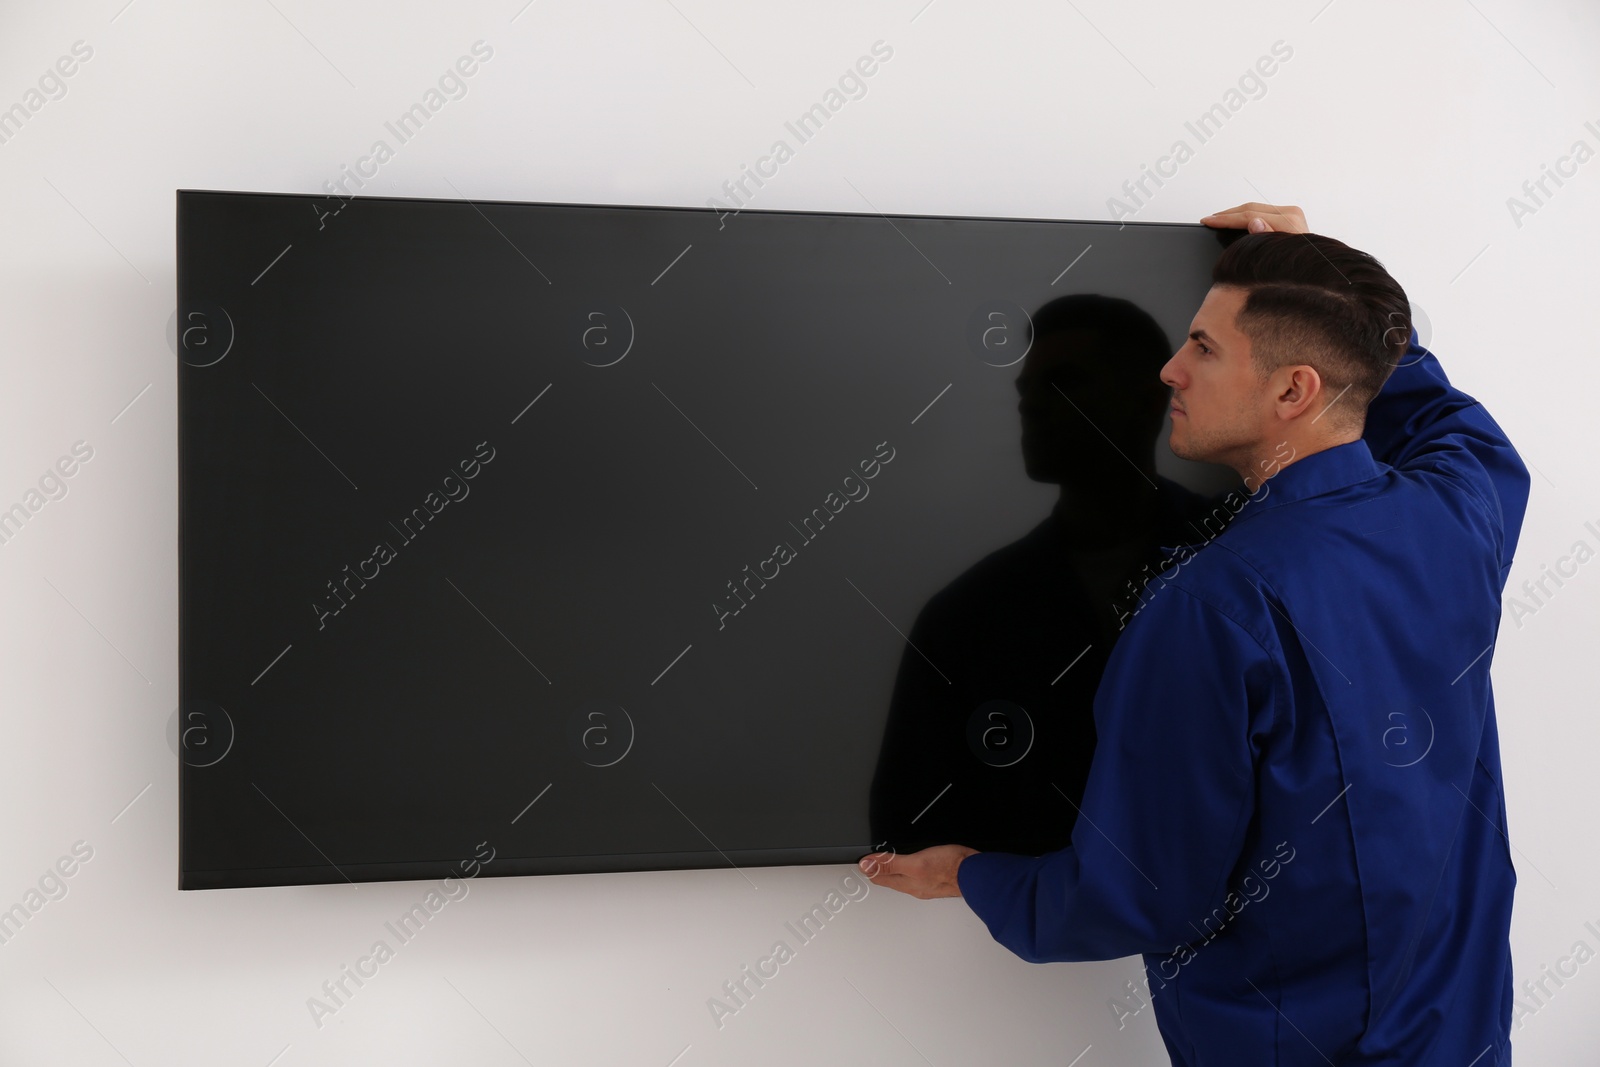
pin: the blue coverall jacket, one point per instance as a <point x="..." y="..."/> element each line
<point x="1294" y="810"/>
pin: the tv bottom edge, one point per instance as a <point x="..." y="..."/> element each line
<point x="508" y="866"/>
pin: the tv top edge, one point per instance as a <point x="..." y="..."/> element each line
<point x="704" y="210"/>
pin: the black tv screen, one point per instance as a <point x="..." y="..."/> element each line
<point x="630" y="538"/>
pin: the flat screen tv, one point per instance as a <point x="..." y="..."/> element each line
<point x="605" y="538"/>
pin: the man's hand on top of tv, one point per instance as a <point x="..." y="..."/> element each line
<point x="1260" y="218"/>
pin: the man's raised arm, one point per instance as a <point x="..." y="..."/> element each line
<point x="1420" y="423"/>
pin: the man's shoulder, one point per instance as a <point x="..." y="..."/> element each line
<point x="1244" y="569"/>
<point x="1349" y="549"/>
<point x="1215" y="574"/>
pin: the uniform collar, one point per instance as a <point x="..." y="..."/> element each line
<point x="1312" y="475"/>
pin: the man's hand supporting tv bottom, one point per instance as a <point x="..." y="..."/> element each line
<point x="925" y="875"/>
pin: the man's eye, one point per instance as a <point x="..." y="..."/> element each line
<point x="1203" y="348"/>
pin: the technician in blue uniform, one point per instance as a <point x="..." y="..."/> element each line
<point x="1294" y="810"/>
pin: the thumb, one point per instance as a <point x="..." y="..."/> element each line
<point x="1259" y="226"/>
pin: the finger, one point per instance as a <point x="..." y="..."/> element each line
<point x="1243" y="219"/>
<point x="1239" y="209"/>
<point x="879" y="873"/>
<point x="1264" y="222"/>
<point x="1231" y="220"/>
<point x="900" y="883"/>
<point x="875" y="863"/>
<point x="904" y="869"/>
<point x="1285" y="217"/>
<point x="1255" y="207"/>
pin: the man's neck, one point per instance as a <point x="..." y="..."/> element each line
<point x="1271" y="457"/>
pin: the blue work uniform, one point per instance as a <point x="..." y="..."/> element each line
<point x="1294" y="811"/>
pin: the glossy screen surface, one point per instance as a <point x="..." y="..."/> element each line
<point x="625" y="538"/>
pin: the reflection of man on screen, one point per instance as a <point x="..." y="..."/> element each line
<point x="990" y="728"/>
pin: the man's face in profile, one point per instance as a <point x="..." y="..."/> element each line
<point x="1218" y="394"/>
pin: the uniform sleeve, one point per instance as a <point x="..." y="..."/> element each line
<point x="1169" y="798"/>
<point x="1420" y="422"/>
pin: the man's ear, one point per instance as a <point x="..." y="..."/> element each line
<point x="1297" y="390"/>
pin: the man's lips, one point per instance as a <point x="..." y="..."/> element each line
<point x="1176" y="410"/>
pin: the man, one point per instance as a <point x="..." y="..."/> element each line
<point x="1294" y="809"/>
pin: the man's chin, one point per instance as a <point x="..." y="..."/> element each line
<point x="1185" y="450"/>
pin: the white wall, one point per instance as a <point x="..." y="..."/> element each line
<point x="1401" y="129"/>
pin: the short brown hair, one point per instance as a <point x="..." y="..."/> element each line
<point x="1315" y="300"/>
